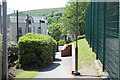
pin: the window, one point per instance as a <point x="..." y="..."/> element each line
<point x="33" y="29"/>
<point x="39" y="29"/>
<point x="20" y="31"/>
<point x="29" y="29"/>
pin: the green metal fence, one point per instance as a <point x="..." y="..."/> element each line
<point x="102" y="33"/>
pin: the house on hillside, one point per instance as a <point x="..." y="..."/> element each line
<point x="27" y="24"/>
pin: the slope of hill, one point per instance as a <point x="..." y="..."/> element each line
<point x="42" y="12"/>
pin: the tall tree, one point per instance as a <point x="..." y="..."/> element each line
<point x="69" y="20"/>
<point x="54" y="30"/>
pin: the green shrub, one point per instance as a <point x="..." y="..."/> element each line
<point x="61" y="42"/>
<point x="69" y="41"/>
<point x="36" y="50"/>
<point x="81" y="37"/>
<point x="12" y="54"/>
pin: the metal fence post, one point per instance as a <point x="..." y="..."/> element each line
<point x="5" y="55"/>
<point x="93" y="26"/>
<point x="97" y="29"/>
<point x="17" y="27"/>
<point x="90" y="25"/>
<point x="104" y="56"/>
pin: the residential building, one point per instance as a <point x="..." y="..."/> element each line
<point x="27" y="24"/>
<point x="40" y="23"/>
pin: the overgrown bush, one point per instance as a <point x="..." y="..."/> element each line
<point x="36" y="50"/>
<point x="61" y="42"/>
<point x="12" y="54"/>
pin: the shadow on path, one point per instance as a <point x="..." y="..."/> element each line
<point x="57" y="60"/>
<point x="53" y="66"/>
<point x="50" y="68"/>
<point x="60" y="68"/>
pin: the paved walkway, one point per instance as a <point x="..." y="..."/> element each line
<point x="61" y="68"/>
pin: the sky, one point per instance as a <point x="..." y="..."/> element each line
<point x="23" y="5"/>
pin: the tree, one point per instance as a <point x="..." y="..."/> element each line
<point x="54" y="17"/>
<point x="54" y="30"/>
<point x="69" y="19"/>
<point x="63" y="23"/>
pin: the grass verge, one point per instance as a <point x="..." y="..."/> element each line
<point x="27" y="74"/>
<point x="20" y="73"/>
<point x="85" y="55"/>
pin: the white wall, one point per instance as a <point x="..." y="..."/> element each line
<point x="13" y="30"/>
<point x="44" y="28"/>
<point x="22" y="24"/>
<point x="35" y="25"/>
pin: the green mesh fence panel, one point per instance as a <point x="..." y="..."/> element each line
<point x="86" y="25"/>
<point x="92" y="26"/>
<point x="88" y="15"/>
<point x="112" y="39"/>
<point x="102" y="33"/>
<point x="95" y="27"/>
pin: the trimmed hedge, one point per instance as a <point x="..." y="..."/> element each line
<point x="36" y="50"/>
<point x="61" y="42"/>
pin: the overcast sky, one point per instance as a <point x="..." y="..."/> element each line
<point x="23" y="5"/>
